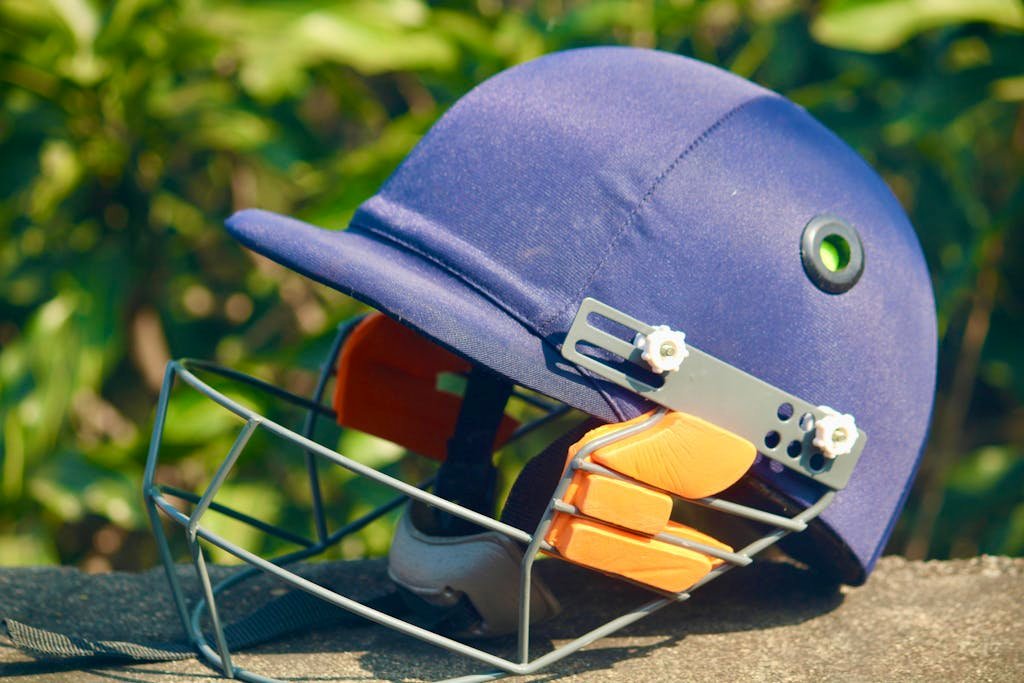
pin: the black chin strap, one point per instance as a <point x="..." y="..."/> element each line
<point x="468" y="476"/>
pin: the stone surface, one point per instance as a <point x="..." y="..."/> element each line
<point x="948" y="621"/>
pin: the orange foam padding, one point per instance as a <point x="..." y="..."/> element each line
<point x="640" y="558"/>
<point x="387" y="386"/>
<point x="688" y="533"/>
<point x="681" y="454"/>
<point x="619" y="502"/>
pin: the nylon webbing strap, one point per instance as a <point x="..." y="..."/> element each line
<point x="292" y="612"/>
<point x="468" y="476"/>
<point x="43" y="644"/>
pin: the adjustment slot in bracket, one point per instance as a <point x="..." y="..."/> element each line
<point x="715" y="391"/>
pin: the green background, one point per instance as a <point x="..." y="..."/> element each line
<point x="129" y="130"/>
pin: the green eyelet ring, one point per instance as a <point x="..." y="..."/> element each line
<point x="832" y="253"/>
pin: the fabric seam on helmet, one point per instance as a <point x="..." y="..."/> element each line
<point x="539" y="327"/>
<point x="697" y="142"/>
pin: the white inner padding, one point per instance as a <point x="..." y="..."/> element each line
<point x="485" y="567"/>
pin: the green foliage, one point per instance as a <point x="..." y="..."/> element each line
<point x="129" y="129"/>
<point x="883" y="25"/>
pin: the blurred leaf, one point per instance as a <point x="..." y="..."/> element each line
<point x="368" y="449"/>
<point x="1013" y="543"/>
<point x="881" y="25"/>
<point x="262" y="500"/>
<point x="80" y="18"/>
<point x="1009" y="89"/>
<point x="70" y="486"/>
<point x="60" y="171"/>
<point x="372" y="37"/>
<point x="27" y="550"/>
<point x="981" y="471"/>
<point x="193" y="419"/>
<point x="232" y="130"/>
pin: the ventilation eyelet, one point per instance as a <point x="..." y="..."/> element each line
<point x="832" y="254"/>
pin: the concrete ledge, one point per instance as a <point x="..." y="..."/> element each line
<point x="961" y="620"/>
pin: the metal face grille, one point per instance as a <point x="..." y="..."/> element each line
<point x="213" y="646"/>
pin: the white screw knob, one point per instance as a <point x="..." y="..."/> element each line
<point x="664" y="349"/>
<point x="835" y="434"/>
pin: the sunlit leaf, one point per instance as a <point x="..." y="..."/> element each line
<point x="60" y="170"/>
<point x="368" y="449"/>
<point x="880" y="25"/>
<point x="983" y="469"/>
<point x="262" y="500"/>
<point x="193" y="419"/>
<point x="1009" y="89"/>
<point x="80" y="17"/>
<point x="232" y="130"/>
<point x="26" y="550"/>
<point x="70" y="486"/>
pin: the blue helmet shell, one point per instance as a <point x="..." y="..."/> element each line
<point x="677" y="193"/>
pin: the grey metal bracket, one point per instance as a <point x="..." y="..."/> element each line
<point x="780" y="425"/>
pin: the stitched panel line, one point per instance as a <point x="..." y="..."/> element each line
<point x="458" y="275"/>
<point x="539" y="328"/>
<point x="635" y="213"/>
<point x="592" y="380"/>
